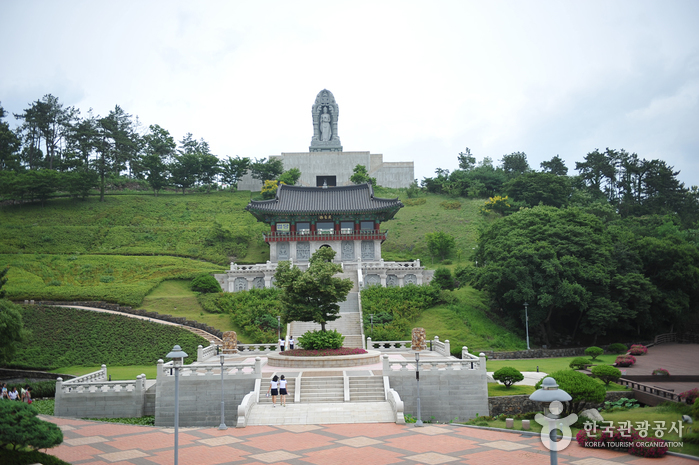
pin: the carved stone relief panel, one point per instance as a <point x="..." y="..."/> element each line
<point x="373" y="279"/>
<point x="347" y="250"/>
<point x="367" y="250"/>
<point x="391" y="280"/>
<point x="282" y="251"/>
<point x="410" y="279"/>
<point x="240" y="284"/>
<point x="303" y="250"/>
<point x="258" y="283"/>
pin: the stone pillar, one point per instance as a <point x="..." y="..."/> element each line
<point x="401" y="283"/>
<point x="447" y="348"/>
<point x="368" y="343"/>
<point x="200" y="353"/>
<point x="268" y="280"/>
<point x="58" y="397"/>
<point x="159" y="373"/>
<point x="383" y="279"/>
<point x="230" y="342"/>
<point x="104" y="371"/>
<point x="250" y="280"/>
<point x="482" y="364"/>
<point x="418" y="342"/>
<point x="386" y="366"/>
<point x="258" y="366"/>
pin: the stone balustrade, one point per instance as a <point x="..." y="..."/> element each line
<point x="204" y="353"/>
<point x="433" y="365"/>
<point x="465" y="355"/>
<point x="387" y="346"/>
<point x="257" y="348"/>
<point x="98" y="375"/>
<point x="230" y="370"/>
<point x="102" y="385"/>
<point x="269" y="266"/>
<point x="397" y="406"/>
<point x="246" y="405"/>
<point x="442" y="348"/>
<point x="389" y="265"/>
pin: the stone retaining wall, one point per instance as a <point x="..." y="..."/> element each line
<point x="512" y="405"/>
<point x="125" y="309"/>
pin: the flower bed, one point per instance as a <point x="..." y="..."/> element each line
<point x="323" y="352"/>
<point x="625" y="360"/>
<point x="690" y="396"/>
<point x="661" y="372"/>
<point x="638" y="349"/>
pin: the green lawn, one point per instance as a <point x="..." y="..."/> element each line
<point x="497" y="390"/>
<point x="174" y="297"/>
<point x="117" y="373"/>
<point x="547" y="365"/>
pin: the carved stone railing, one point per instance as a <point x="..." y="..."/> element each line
<point x="433" y="365"/>
<point x="465" y="355"/>
<point x="383" y="265"/>
<point x="99" y="375"/>
<point x="442" y="348"/>
<point x="388" y="346"/>
<point x="102" y="386"/>
<point x="253" y="349"/>
<point x="397" y="406"/>
<point x="204" y="353"/>
<point x="277" y="236"/>
<point x="247" y="404"/>
<point x="236" y="369"/>
<point x="269" y="266"/>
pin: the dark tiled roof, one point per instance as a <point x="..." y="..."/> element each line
<point x="344" y="199"/>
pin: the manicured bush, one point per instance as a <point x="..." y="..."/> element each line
<point x="625" y="360"/>
<point x="20" y="427"/>
<point x="594" y="352"/>
<point x="579" y="363"/>
<point x="606" y="373"/>
<point x="617" y="348"/>
<point x="581" y="388"/>
<point x="206" y="284"/>
<point x="31" y="457"/>
<point x="638" y="349"/>
<point x="318" y="340"/>
<point x="443" y="279"/>
<point x="661" y="372"/>
<point x="324" y="352"/>
<point x="690" y="396"/>
<point x="508" y="376"/>
<point x="695" y="409"/>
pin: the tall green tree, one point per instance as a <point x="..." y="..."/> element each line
<point x="312" y="295"/>
<point x="266" y="170"/>
<point x="159" y="148"/>
<point x="290" y="177"/>
<point x="555" y="166"/>
<point x="9" y="145"/>
<point x="440" y="243"/>
<point x="534" y="188"/>
<point x="515" y="164"/>
<point x="233" y="169"/>
<point x="466" y="161"/>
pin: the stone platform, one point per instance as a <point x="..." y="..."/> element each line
<point x="276" y="359"/>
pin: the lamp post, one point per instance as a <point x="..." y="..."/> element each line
<point x="551" y="397"/>
<point x="177" y="355"/>
<point x="371" y="315"/>
<point x="526" y="319"/>
<point x="279" y="327"/>
<point x="417" y="378"/>
<point x="223" y="418"/>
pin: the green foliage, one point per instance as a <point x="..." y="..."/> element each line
<point x="12" y="331"/>
<point x="20" y="427"/>
<point x="3" y="281"/>
<point x="205" y="283"/>
<point x="695" y="409"/>
<point x="539" y="188"/>
<point x="622" y="404"/>
<point x="39" y="388"/>
<point x="443" y="279"/>
<point x="594" y="352"/>
<point x="66" y="337"/>
<point x="414" y="202"/>
<point x="20" y="457"/>
<point x="606" y="373"/>
<point x="440" y="243"/>
<point x="412" y="190"/>
<point x="312" y="295"/>
<point x="508" y="376"/>
<point x="123" y="280"/>
<point x="148" y="420"/>
<point x="406" y="302"/>
<point x="269" y="189"/>
<point x="581" y="388"/>
<point x="450" y="205"/>
<point x="617" y="348"/>
<point x="318" y="340"/>
<point x="254" y="312"/>
<point x="266" y="170"/>
<point x="361" y="175"/>
<point x="290" y="177"/>
<point x="579" y="363"/>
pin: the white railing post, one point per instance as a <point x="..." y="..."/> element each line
<point x="386" y="366"/>
<point x="200" y="353"/>
<point x="482" y="362"/>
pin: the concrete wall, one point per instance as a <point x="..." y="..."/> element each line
<point x="110" y="399"/>
<point x="340" y="165"/>
<point x="512" y="405"/>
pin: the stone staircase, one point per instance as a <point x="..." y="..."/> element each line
<point x="366" y="389"/>
<point x="349" y="324"/>
<point x="290" y="389"/>
<point x="322" y="389"/>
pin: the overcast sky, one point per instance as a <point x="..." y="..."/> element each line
<point x="414" y="81"/>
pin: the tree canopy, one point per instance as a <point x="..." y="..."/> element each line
<point x="313" y="294"/>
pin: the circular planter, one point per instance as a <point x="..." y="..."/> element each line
<point x="275" y="359"/>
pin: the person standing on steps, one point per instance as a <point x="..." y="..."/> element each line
<point x="281" y="345"/>
<point x="282" y="391"/>
<point x="274" y="389"/>
<point x="291" y="342"/>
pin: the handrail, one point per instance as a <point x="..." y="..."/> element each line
<point x="277" y="236"/>
<point x="650" y="390"/>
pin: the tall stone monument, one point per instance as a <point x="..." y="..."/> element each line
<point x="325" y="112"/>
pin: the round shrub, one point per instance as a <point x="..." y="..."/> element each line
<point x="661" y="372"/>
<point x="508" y="376"/>
<point x="21" y="427"/>
<point x="594" y="352"/>
<point x="206" y="284"/>
<point x="638" y="349"/>
<point x="581" y="388"/>
<point x="579" y="363"/>
<point x="606" y="373"/>
<point x="318" y="340"/>
<point x="618" y="348"/>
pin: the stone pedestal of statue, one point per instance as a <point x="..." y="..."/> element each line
<point x="230" y="342"/>
<point x="418" y="342"/>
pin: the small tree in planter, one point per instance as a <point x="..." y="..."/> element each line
<point x="606" y="373"/>
<point x="638" y="349"/>
<point x="508" y="376"/>
<point x="594" y="352"/>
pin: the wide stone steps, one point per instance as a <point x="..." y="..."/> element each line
<point x="322" y="389"/>
<point x="290" y="389"/>
<point x="366" y="389"/>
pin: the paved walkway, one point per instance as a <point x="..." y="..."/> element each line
<point x="325" y="413"/>
<point x="96" y="443"/>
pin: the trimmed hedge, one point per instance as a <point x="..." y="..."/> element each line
<point x="581" y="388"/>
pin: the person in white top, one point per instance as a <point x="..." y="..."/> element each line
<point x="281" y="345"/>
<point x="13" y="394"/>
<point x="274" y="389"/>
<point x="291" y="342"/>
<point x="282" y="390"/>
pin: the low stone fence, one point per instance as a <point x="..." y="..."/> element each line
<point x="125" y="309"/>
<point x="254" y="349"/>
<point x="512" y="405"/>
<point x="93" y="396"/>
<point x="388" y="346"/>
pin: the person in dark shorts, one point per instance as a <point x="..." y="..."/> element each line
<point x="282" y="390"/>
<point x="291" y="342"/>
<point x="274" y="389"/>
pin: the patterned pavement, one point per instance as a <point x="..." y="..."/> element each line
<point x="97" y="443"/>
